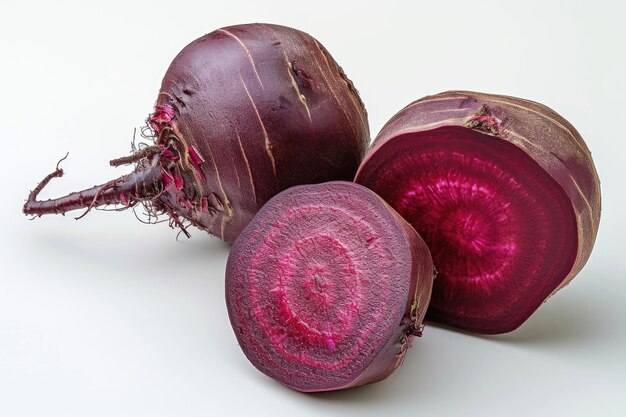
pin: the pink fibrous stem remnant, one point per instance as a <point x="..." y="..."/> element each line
<point x="128" y="189"/>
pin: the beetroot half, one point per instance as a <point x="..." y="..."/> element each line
<point x="327" y="287"/>
<point x="243" y="113"/>
<point x="505" y="194"/>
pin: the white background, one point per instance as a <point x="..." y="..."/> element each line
<point x="109" y="317"/>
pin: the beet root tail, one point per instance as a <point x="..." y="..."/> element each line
<point x="141" y="185"/>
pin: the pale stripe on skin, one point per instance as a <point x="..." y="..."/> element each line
<point x="586" y="202"/>
<point x="455" y="95"/>
<point x="525" y="140"/>
<point x="166" y="94"/>
<point x="343" y="109"/>
<point x="544" y="116"/>
<point x="430" y="100"/>
<point x="219" y="182"/>
<point x="185" y="160"/>
<point x="425" y="101"/>
<point x="357" y="106"/>
<point x="247" y="53"/>
<point x="223" y="226"/>
<point x="236" y="173"/>
<point x="323" y="74"/>
<point x="268" y="149"/>
<point x="393" y="122"/>
<point x="488" y="98"/>
<point x="245" y="159"/>
<point x="301" y="96"/>
<point x="445" y="111"/>
<point x="419" y="128"/>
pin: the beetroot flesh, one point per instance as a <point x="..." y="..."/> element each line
<point x="243" y="113"/>
<point x="503" y="191"/>
<point x="327" y="287"/>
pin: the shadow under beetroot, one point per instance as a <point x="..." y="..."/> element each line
<point x="567" y="319"/>
<point x="404" y="384"/>
<point x="108" y="246"/>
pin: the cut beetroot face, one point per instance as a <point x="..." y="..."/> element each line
<point x="503" y="191"/>
<point x="327" y="287"/>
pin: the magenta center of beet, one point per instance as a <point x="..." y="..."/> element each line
<point x="310" y="295"/>
<point x="317" y="281"/>
<point x="464" y="214"/>
<point x="496" y="223"/>
<point x="326" y="287"/>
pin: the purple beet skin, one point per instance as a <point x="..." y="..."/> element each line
<point x="243" y="113"/>
<point x="327" y="287"/>
<point x="504" y="192"/>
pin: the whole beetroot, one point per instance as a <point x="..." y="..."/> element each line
<point x="243" y="113"/>
<point x="504" y="192"/>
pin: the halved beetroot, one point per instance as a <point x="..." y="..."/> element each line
<point x="327" y="286"/>
<point x="504" y="192"/>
